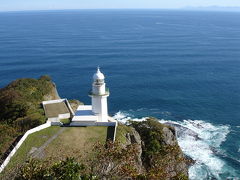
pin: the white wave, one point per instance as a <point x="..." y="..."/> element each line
<point x="125" y="117"/>
<point x="199" y="140"/>
<point x="201" y="150"/>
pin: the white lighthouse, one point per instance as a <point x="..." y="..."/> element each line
<point x="99" y="94"/>
<point x="95" y="114"/>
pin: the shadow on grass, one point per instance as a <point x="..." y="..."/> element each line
<point x="11" y="147"/>
<point x="110" y="133"/>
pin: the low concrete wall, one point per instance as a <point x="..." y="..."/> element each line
<point x="59" y="101"/>
<point x="112" y="123"/>
<point x="70" y="108"/>
<point x="56" y="123"/>
<point x="106" y="123"/>
<point x="115" y="132"/>
<point x="38" y="128"/>
<point x="64" y="116"/>
<point x="86" y="123"/>
<point x="53" y="101"/>
<point x="54" y="119"/>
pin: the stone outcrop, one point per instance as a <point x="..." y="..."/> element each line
<point x="53" y="93"/>
<point x="158" y="149"/>
<point x="178" y="163"/>
<point x="133" y="137"/>
<point x="74" y="104"/>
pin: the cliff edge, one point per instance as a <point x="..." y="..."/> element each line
<point x="159" y="155"/>
<point x="143" y="150"/>
<point x="21" y="108"/>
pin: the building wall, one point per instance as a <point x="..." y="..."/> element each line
<point x="85" y="123"/>
<point x="64" y="116"/>
<point x="100" y="108"/>
<point x="99" y="89"/>
<point x="104" y="110"/>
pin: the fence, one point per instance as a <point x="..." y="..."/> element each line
<point x="38" y="128"/>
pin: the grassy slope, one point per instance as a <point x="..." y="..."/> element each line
<point x="72" y="141"/>
<point x="34" y="140"/>
<point x="122" y="130"/>
<point x="78" y="142"/>
<point x="75" y="142"/>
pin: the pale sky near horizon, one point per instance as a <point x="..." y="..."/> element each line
<point x="19" y="5"/>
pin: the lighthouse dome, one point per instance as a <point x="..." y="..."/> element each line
<point x="98" y="75"/>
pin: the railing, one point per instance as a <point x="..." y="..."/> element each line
<point x="107" y="90"/>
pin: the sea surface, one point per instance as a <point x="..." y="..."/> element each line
<point x="182" y="67"/>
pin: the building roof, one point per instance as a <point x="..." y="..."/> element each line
<point x="84" y="113"/>
<point x="54" y="109"/>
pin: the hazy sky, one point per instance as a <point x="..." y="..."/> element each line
<point x="9" y="5"/>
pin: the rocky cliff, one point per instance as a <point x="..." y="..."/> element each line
<point x="143" y="150"/>
<point x="159" y="155"/>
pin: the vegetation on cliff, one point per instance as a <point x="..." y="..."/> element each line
<point x="161" y="155"/>
<point x="107" y="161"/>
<point x="21" y="107"/>
<point x="143" y="150"/>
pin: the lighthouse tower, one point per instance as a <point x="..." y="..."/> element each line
<point x="99" y="96"/>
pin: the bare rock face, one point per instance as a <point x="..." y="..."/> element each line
<point x="53" y="94"/>
<point x="134" y="138"/>
<point x="169" y="136"/>
<point x="160" y="151"/>
<point x="74" y="104"/>
<point x="178" y="163"/>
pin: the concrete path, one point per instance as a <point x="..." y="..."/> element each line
<point x="39" y="152"/>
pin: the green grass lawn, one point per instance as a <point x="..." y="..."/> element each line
<point x="34" y="140"/>
<point x="76" y="142"/>
<point x="68" y="142"/>
<point x="122" y="130"/>
<point x="65" y="121"/>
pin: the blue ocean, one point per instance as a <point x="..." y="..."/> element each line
<point x="182" y="67"/>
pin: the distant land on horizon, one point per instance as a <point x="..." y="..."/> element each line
<point x="212" y="8"/>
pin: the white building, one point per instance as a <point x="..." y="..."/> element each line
<point x="97" y="113"/>
<point x="99" y="96"/>
<point x="56" y="110"/>
<point x="86" y="115"/>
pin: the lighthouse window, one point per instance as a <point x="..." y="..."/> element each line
<point x="99" y="81"/>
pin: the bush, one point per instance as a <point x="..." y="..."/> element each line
<point x="109" y="161"/>
<point x="28" y="122"/>
<point x="68" y="169"/>
<point x="21" y="105"/>
<point x="33" y="169"/>
<point x="45" y="78"/>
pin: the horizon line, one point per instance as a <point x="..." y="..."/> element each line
<point x="207" y="8"/>
<point x="74" y="9"/>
